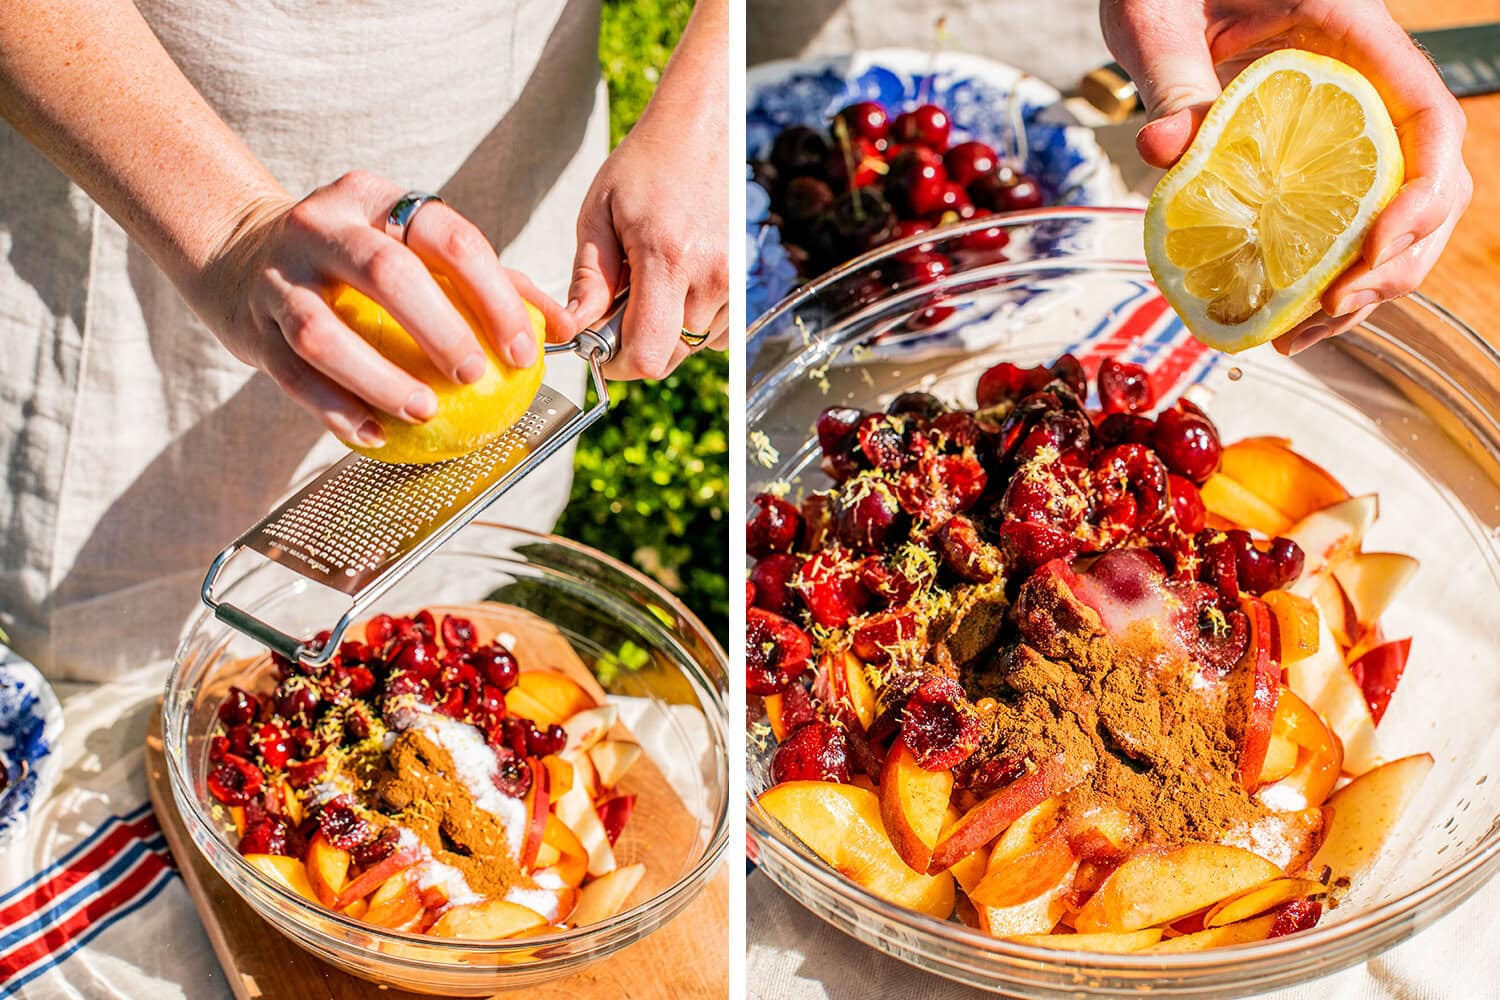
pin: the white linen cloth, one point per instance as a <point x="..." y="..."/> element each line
<point x="135" y="446"/>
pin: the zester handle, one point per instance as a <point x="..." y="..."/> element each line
<point x="598" y="343"/>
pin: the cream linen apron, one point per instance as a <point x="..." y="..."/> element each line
<point x="135" y="446"/>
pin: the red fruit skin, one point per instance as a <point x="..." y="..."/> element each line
<point x="1006" y="381"/>
<point x="772" y="580"/>
<point x="272" y="744"/>
<point x="876" y="638"/>
<point x="1028" y="545"/>
<point x="305" y="773"/>
<point x="1298" y="915"/>
<point x="926" y="125"/>
<point x="614" y="813"/>
<point x="1187" y="443"/>
<point x="1378" y="671"/>
<point x="816" y="751"/>
<point x="939" y="725"/>
<point x="378" y="632"/>
<point x="1134" y="471"/>
<point x="941" y="486"/>
<point x="773" y="526"/>
<point x="968" y="161"/>
<point x="1187" y="504"/>
<point x="458" y="633"/>
<point x="797" y="707"/>
<point x="235" y="781"/>
<point x="872" y="523"/>
<point x="1124" y="387"/>
<point x="866" y="120"/>
<point x="916" y="182"/>
<point x="1264" y="669"/>
<point x="776" y="652"/>
<point x="964" y="553"/>
<point x="830" y="587"/>
<point x="237" y="708"/>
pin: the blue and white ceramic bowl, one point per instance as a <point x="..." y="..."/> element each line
<point x="980" y="97"/>
<point x="31" y="722"/>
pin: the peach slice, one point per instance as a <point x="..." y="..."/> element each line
<point x="1366" y="810"/>
<point x="1334" y="612"/>
<point x="1320" y="756"/>
<point x="992" y="815"/>
<point x="1243" y="932"/>
<point x="606" y="896"/>
<point x="1102" y="830"/>
<point x="1325" y="683"/>
<point x="1113" y="942"/>
<point x="1021" y="875"/>
<point x="546" y="856"/>
<point x="1328" y="534"/>
<point x="396" y="902"/>
<point x="538" y="803"/>
<point x="1296" y="624"/>
<point x="376" y="875"/>
<point x="1261" y="899"/>
<point x="612" y="758"/>
<point x="1377" y="671"/>
<point x="1371" y="581"/>
<point x="1035" y="916"/>
<point x="913" y="805"/>
<point x="490" y="920"/>
<point x="1281" y="477"/>
<point x="842" y="825"/>
<point x="1286" y="839"/>
<point x="577" y="810"/>
<point x="327" y="868"/>
<point x="775" y="716"/>
<point x="1230" y="500"/>
<point x="588" y="727"/>
<point x="286" y="871"/>
<point x="1264" y="687"/>
<point x="1281" y="758"/>
<point x="1157" y="887"/>
<point x="547" y="697"/>
<point x="858" y="690"/>
<point x="572" y="863"/>
<point x="559" y="775"/>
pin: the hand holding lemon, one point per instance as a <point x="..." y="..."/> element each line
<point x="468" y="415"/>
<point x="1327" y="177"/>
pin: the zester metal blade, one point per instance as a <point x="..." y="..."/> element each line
<point x="362" y="525"/>
<point x="352" y="524"/>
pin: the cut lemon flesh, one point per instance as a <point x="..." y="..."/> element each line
<point x="1272" y="199"/>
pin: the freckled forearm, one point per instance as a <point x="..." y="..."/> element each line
<point x="88" y="84"/>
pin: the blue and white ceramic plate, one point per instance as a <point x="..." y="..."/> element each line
<point x="31" y="723"/>
<point x="980" y="95"/>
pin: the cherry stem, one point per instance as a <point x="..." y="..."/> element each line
<point x="1020" y="149"/>
<point x="841" y="133"/>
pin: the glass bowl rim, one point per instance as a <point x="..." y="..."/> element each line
<point x="1451" y="885"/>
<point x="689" y="883"/>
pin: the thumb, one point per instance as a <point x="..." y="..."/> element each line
<point x="1167" y="56"/>
<point x="596" y="267"/>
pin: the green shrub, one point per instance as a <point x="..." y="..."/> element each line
<point x="650" y="483"/>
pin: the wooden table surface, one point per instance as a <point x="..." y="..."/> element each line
<point x="1465" y="278"/>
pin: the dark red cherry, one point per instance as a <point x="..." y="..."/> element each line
<point x="926" y="125"/>
<point x="1023" y="195"/>
<point x="773" y="526"/>
<point x="458" y="633"/>
<point x="776" y="651"/>
<point x="917" y="182"/>
<point x="497" y="665"/>
<point x="272" y="744"/>
<point x="968" y="161"/>
<point x="805" y="199"/>
<point x="237" y="708"/>
<point x="1125" y="387"/>
<point x="1187" y="504"/>
<point x="799" y="150"/>
<point x="816" y="751"/>
<point x="866" y="120"/>
<point x="940" y="726"/>
<point x="1188" y="443"/>
<point x="235" y="781"/>
<point x="773" y="578"/>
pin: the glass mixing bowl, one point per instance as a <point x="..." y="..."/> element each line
<point x="1406" y="406"/>
<point x="646" y="650"/>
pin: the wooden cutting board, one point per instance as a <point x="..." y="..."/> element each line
<point x="689" y="957"/>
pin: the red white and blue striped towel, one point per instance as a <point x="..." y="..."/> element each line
<point x="91" y="904"/>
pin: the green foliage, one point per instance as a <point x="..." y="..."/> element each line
<point x="651" y="482"/>
<point x="636" y="37"/>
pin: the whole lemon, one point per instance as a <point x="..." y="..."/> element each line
<point x="467" y="415"/>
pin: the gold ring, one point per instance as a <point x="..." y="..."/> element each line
<point x="694" y="340"/>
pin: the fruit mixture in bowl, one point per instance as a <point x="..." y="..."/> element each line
<point x="426" y="781"/>
<point x="876" y="175"/>
<point x="1080" y="676"/>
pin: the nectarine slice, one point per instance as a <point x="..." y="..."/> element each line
<point x="490" y="920"/>
<point x="327" y="868"/>
<point x="1157" y="887"/>
<point x="913" y="805"/>
<point x="1329" y="689"/>
<point x="1280" y="477"/>
<point x="1261" y="899"/>
<point x="612" y="758"/>
<point x="1243" y="932"/>
<point x="842" y="825"/>
<point x="286" y="871"/>
<point x="1366" y="810"/>
<point x="1233" y="502"/>
<point x="1296" y="624"/>
<point x="547" y="697"/>
<point x="606" y="895"/>
<point x="1371" y="581"/>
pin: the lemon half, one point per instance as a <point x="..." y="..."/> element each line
<point x="468" y="416"/>
<point x="1272" y="199"/>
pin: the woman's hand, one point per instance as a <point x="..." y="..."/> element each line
<point x="1180" y="52"/>
<point x="657" y="216"/>
<point x="265" y="296"/>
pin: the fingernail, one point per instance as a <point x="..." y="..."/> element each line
<point x="421" y="405"/>
<point x="472" y="370"/>
<point x="370" y="435"/>
<point x="1391" y="249"/>
<point x="1306" y="339"/>
<point x="573" y="305"/>
<point x="1355" y="301"/>
<point x="523" y="349"/>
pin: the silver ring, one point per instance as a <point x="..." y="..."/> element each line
<point x="406" y="208"/>
<point x="695" y="340"/>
